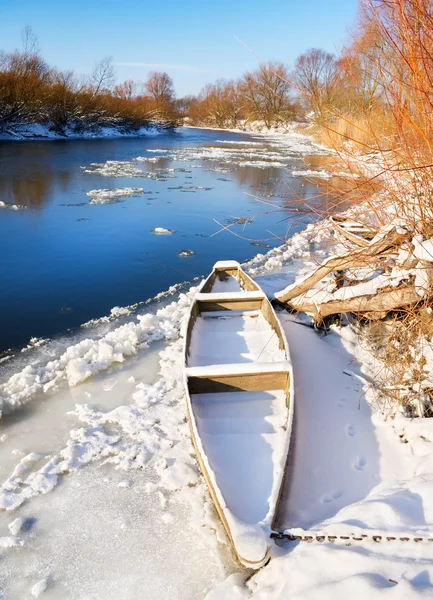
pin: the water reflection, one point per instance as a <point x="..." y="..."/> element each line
<point x="34" y="189"/>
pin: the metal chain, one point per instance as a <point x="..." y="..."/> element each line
<point x="289" y="537"/>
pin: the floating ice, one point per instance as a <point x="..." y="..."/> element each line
<point x="162" y="231"/>
<point x="11" y="206"/>
<point x="114" y="168"/>
<point x="107" y="196"/>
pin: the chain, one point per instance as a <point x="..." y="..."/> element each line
<point x="386" y="537"/>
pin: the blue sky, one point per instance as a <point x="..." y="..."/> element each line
<point x="190" y="39"/>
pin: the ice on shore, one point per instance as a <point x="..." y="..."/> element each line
<point x="39" y="588"/>
<point x="90" y="356"/>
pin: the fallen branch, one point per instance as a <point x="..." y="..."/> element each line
<point x="380" y="302"/>
<point x="348" y="235"/>
<point x="358" y="258"/>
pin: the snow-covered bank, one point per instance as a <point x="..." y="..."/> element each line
<point x="245" y="126"/>
<point x="38" y="131"/>
<point x="353" y="473"/>
<point x="122" y="448"/>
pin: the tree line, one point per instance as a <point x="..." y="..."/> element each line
<point x="367" y="82"/>
<point x="33" y="92"/>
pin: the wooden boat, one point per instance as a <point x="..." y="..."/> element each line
<point x="239" y="390"/>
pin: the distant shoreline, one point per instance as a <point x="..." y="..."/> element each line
<point x="40" y="132"/>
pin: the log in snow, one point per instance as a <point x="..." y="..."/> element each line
<point x="378" y="246"/>
<point x="379" y="302"/>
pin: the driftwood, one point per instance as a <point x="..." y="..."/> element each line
<point x="355" y="227"/>
<point x="347" y="234"/>
<point x="358" y="258"/>
<point x="379" y="302"/>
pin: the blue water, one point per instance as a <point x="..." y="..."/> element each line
<point x="58" y="271"/>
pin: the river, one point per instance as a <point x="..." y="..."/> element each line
<point x="68" y="257"/>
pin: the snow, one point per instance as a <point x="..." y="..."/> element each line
<point x="231" y="284"/>
<point x="226" y="264"/>
<point x="89" y="356"/>
<point x="234" y="338"/>
<point x="321" y="174"/>
<point x="39" y="588"/>
<point x="214" y="296"/>
<point x="44" y="132"/>
<point x="351" y="473"/>
<point x="423" y="250"/>
<point x="15" y="526"/>
<point x="240" y="431"/>
<point x="102" y="421"/>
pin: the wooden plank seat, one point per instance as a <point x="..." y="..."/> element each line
<point x="238" y="377"/>
<point x="230" y="301"/>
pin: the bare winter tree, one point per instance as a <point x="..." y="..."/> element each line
<point x="125" y="90"/>
<point x="220" y="103"/>
<point x="267" y="93"/>
<point x="160" y="87"/>
<point x="103" y="75"/>
<point x="318" y="76"/>
<point x="29" y="41"/>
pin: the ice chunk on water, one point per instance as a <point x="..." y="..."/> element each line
<point x="162" y="231"/>
<point x="105" y="196"/>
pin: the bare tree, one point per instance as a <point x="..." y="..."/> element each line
<point x="160" y="87"/>
<point x="220" y="103"/>
<point x="267" y="93"/>
<point x="318" y="76"/>
<point x="125" y="90"/>
<point x="29" y="41"/>
<point x="103" y="75"/>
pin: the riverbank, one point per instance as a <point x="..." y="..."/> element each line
<point x="37" y="131"/>
<point x="100" y="414"/>
<point x="360" y="474"/>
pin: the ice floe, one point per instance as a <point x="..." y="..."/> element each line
<point x="11" y="206"/>
<point x="162" y="231"/>
<point x="105" y="196"/>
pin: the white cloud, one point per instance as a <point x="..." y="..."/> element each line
<point x="164" y="66"/>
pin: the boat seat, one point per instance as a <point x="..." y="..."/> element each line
<point x="238" y="369"/>
<point x="240" y="376"/>
<point x="224" y="296"/>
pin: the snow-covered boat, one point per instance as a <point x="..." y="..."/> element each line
<point x="239" y="390"/>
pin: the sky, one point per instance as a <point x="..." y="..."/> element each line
<point x="192" y="40"/>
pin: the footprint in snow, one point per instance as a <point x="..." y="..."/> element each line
<point x="332" y="496"/>
<point x="351" y="430"/>
<point x="359" y="464"/>
<point x="341" y="402"/>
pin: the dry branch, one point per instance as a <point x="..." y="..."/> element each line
<point x="379" y="303"/>
<point x="350" y="260"/>
<point x="348" y="235"/>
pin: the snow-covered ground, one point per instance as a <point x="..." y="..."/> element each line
<point x="41" y="131"/>
<point x="102" y="497"/>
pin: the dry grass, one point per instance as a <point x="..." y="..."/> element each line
<point x="355" y="133"/>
